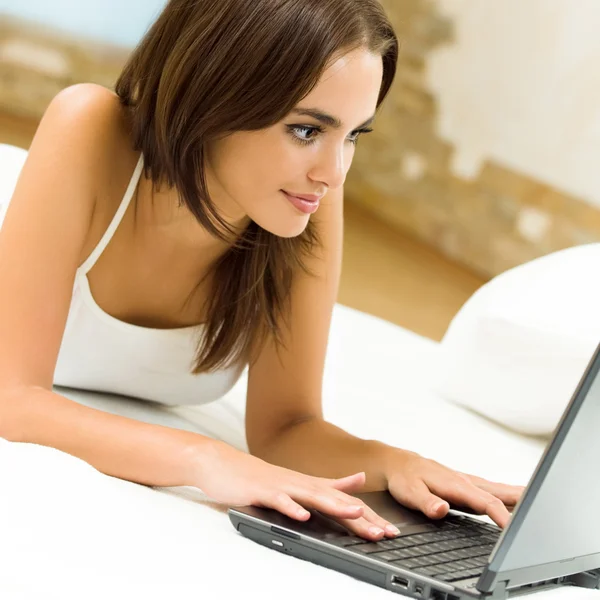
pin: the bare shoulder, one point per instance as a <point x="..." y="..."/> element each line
<point x="47" y="225"/>
<point x="87" y="108"/>
<point x="81" y="132"/>
<point x="92" y="106"/>
<point x="93" y="115"/>
<point x="88" y="126"/>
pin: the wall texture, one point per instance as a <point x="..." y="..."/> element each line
<point x="485" y="148"/>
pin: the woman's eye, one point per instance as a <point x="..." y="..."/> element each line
<point x="297" y="132"/>
<point x="300" y="138"/>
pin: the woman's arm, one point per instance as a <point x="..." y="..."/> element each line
<point x="41" y="242"/>
<point x="284" y="419"/>
<point x="285" y="424"/>
<point x="117" y="446"/>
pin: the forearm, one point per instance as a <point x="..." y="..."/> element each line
<point x="319" y="448"/>
<point x="115" y="445"/>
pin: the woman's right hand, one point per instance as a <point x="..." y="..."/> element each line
<point x="236" y="478"/>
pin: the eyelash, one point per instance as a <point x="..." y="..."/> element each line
<point x="307" y="142"/>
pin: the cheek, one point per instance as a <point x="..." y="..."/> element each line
<point x="274" y="167"/>
<point x="253" y="166"/>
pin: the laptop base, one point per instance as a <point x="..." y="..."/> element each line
<point x="406" y="584"/>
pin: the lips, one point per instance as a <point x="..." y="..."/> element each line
<point x="305" y="197"/>
<point x="302" y="205"/>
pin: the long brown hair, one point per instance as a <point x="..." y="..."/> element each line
<point x="207" y="68"/>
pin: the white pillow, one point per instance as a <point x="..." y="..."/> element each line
<point x="517" y="349"/>
<point x="12" y="160"/>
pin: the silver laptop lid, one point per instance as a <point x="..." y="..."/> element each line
<point x="555" y="529"/>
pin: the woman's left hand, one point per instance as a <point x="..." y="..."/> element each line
<point x="426" y="485"/>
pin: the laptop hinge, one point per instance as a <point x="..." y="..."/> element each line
<point x="587" y="579"/>
<point x="500" y="592"/>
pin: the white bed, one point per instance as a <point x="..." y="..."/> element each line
<point x="70" y="532"/>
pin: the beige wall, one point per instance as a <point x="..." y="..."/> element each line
<point x="485" y="148"/>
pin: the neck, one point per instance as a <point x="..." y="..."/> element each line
<point x="160" y="217"/>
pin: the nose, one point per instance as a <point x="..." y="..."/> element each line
<point x="331" y="165"/>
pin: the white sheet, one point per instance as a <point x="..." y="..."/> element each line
<point x="70" y="532"/>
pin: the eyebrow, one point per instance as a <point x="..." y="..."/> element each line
<point x="327" y="119"/>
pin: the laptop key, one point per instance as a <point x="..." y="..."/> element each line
<point x="422" y="538"/>
<point x="386" y="556"/>
<point x="434" y="570"/>
<point x="444" y="546"/>
<point x="442" y="568"/>
<point x="461" y="565"/>
<point x="428" y="537"/>
<point x="462" y="543"/>
<point x="490" y="538"/>
<point x="432" y="559"/>
<point x="427" y="571"/>
<point x="401" y="554"/>
<point x="470" y="562"/>
<point x="409" y="563"/>
<point x="456" y="576"/>
<point x="463" y="553"/>
<point x="367" y="548"/>
<point x="425" y="550"/>
<point x="478" y="551"/>
<point x="388" y="544"/>
<point x="402" y="542"/>
<point x="491" y="528"/>
<point x="445" y="557"/>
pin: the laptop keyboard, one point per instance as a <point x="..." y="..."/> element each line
<point x="458" y="549"/>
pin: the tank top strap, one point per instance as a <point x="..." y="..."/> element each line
<point x="97" y="251"/>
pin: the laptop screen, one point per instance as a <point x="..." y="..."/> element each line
<point x="557" y="518"/>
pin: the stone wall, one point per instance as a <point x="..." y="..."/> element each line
<point x="489" y="223"/>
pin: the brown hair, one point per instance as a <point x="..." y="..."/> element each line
<point x="209" y="67"/>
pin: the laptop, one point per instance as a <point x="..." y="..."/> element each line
<point x="552" y="539"/>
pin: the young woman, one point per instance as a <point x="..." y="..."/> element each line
<point x="165" y="236"/>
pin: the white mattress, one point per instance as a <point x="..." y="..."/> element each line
<point x="70" y="532"/>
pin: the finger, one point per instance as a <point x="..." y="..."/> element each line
<point x="497" y="511"/>
<point x="460" y="492"/>
<point x="328" y="501"/>
<point x="283" y="503"/>
<point x="357" y="481"/>
<point x="509" y="494"/>
<point x="416" y="495"/>
<point x="362" y="527"/>
<point x="376" y="520"/>
<point x="352" y="483"/>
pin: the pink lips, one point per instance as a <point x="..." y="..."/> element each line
<point x="306" y="203"/>
<point x="307" y="197"/>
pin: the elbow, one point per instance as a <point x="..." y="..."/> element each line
<point x="261" y="444"/>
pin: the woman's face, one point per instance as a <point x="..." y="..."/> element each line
<point x="248" y="171"/>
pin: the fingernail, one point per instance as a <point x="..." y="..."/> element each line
<point x="391" y="529"/>
<point x="375" y="531"/>
<point x="437" y="506"/>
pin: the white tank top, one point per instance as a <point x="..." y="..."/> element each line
<point x="101" y="353"/>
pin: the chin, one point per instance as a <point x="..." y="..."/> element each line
<point x="284" y="227"/>
<point x="289" y="231"/>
